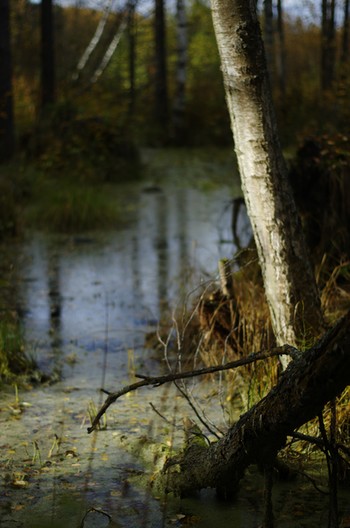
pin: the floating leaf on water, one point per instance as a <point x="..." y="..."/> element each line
<point x="70" y="453"/>
<point x="17" y="507"/>
<point x="116" y="493"/>
<point x="19" y="483"/>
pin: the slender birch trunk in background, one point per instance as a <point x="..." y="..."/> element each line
<point x="289" y="281"/>
<point x="110" y="50"/>
<point x="94" y="41"/>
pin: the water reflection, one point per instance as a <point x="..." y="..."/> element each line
<point x="173" y="240"/>
<point x="94" y="298"/>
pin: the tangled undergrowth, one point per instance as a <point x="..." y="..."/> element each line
<point x="223" y="326"/>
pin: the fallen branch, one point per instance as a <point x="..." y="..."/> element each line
<point x="157" y="381"/>
<point x="318" y="376"/>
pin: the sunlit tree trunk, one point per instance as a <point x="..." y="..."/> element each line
<point x="47" y="54"/>
<point x="181" y="67"/>
<point x="6" y="109"/>
<point x="161" y="88"/>
<point x="288" y="278"/>
<point x="327" y="44"/>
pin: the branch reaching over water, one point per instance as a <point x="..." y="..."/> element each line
<point x="157" y="381"/>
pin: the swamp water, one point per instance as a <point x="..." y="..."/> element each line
<point x="88" y="304"/>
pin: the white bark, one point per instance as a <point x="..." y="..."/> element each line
<point x="289" y="281"/>
<point x="94" y="41"/>
<point x="110" y="51"/>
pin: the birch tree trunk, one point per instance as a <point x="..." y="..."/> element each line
<point x="289" y="281"/>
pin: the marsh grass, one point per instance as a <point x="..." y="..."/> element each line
<point x="13" y="359"/>
<point x="335" y="296"/>
<point x="230" y="332"/>
<point x="74" y="207"/>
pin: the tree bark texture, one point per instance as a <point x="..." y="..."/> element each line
<point x="6" y="104"/>
<point x="310" y="381"/>
<point x="288" y="278"/>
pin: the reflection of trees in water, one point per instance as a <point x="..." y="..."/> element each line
<point x="54" y="301"/>
<point x="184" y="268"/>
<point x="161" y="246"/>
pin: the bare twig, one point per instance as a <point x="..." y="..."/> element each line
<point x="160" y="380"/>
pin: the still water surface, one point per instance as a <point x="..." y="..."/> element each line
<point x="87" y="303"/>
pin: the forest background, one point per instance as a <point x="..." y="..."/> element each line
<point x="153" y="74"/>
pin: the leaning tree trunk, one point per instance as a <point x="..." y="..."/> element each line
<point x="314" y="378"/>
<point x="289" y="282"/>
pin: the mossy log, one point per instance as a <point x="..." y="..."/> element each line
<point x="314" y="378"/>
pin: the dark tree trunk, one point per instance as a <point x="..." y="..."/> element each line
<point x="327" y="44"/>
<point x="345" y="39"/>
<point x="161" y="89"/>
<point x="178" y="117"/>
<point x="269" y="38"/>
<point x="47" y="55"/>
<point x="6" y="108"/>
<point x="132" y="51"/>
<point x="281" y="61"/>
<point x="316" y="377"/>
